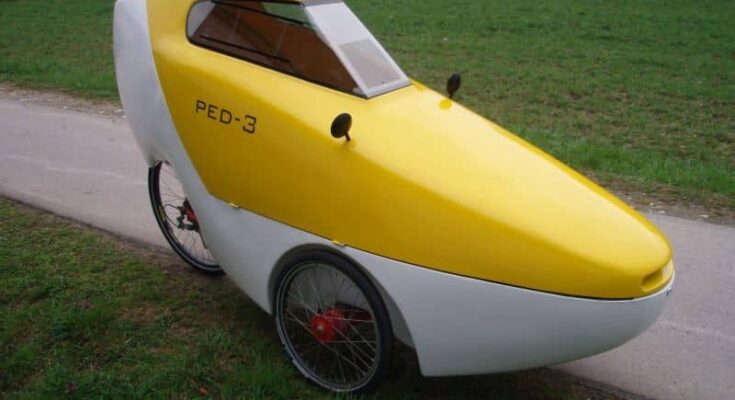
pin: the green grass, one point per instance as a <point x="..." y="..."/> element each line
<point x="641" y="92"/>
<point x="58" y="44"/>
<point x="83" y="316"/>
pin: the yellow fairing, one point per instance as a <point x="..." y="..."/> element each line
<point x="424" y="180"/>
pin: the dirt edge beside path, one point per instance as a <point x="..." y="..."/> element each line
<point x="60" y="99"/>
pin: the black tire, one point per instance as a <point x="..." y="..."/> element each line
<point x="199" y="258"/>
<point x="347" y="320"/>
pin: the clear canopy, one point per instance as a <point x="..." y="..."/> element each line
<point x="318" y="40"/>
<point x="369" y="64"/>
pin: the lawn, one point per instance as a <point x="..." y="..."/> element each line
<point x="638" y="92"/>
<point x="83" y="315"/>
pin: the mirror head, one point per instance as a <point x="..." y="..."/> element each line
<point x="341" y="126"/>
<point x="453" y="84"/>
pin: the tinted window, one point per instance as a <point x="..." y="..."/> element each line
<point x="272" y="34"/>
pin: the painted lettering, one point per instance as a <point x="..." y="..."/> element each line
<point x="212" y="112"/>
<point x="201" y="106"/>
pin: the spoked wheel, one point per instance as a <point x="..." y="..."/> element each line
<point x="177" y="219"/>
<point x="333" y="323"/>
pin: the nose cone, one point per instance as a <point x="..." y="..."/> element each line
<point x="554" y="230"/>
<point x="496" y="208"/>
<point x="571" y="235"/>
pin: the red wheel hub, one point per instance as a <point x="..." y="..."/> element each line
<point x="189" y="212"/>
<point x="325" y="326"/>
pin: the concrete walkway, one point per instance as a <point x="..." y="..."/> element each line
<point x="87" y="167"/>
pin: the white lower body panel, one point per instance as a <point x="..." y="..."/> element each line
<point x="463" y="326"/>
<point x="457" y="325"/>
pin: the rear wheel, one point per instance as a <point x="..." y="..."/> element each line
<point x="333" y="323"/>
<point x="177" y="219"/>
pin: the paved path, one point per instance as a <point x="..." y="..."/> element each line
<point x="87" y="167"/>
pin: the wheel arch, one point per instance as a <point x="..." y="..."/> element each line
<point x="398" y="322"/>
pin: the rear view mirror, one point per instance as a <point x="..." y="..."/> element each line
<point x="453" y="84"/>
<point x="341" y="126"/>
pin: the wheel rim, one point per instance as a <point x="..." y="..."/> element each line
<point x="329" y="327"/>
<point x="180" y="220"/>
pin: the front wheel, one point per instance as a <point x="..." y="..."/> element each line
<point x="177" y="219"/>
<point x="333" y="323"/>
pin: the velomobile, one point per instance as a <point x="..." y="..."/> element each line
<point x="288" y="149"/>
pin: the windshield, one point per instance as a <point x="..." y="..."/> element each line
<point x="369" y="64"/>
<point x="319" y="41"/>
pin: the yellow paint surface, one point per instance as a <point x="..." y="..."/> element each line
<point x="424" y="180"/>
